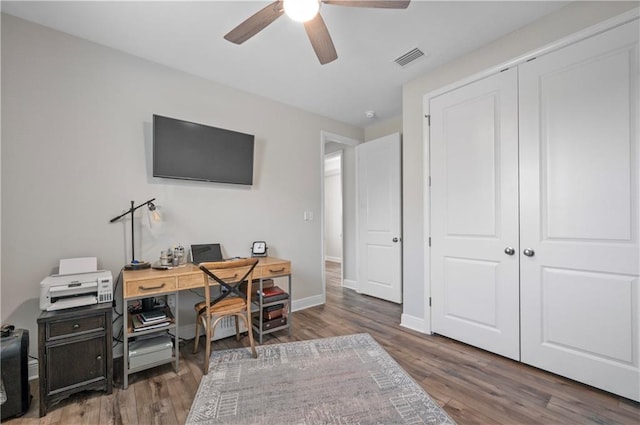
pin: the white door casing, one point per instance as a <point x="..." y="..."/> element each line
<point x="378" y="168"/>
<point x="579" y="161"/>
<point x="474" y="214"/>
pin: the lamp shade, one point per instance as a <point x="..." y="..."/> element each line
<point x="154" y="214"/>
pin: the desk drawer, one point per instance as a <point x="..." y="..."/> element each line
<point x="229" y="274"/>
<point x="148" y="287"/>
<point x="272" y="270"/>
<point x="75" y="325"/>
<point x="191" y="281"/>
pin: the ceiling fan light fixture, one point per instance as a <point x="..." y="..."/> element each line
<point x="301" y="10"/>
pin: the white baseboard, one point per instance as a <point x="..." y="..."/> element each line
<point x="417" y="324"/>
<point x="333" y="259"/>
<point x="351" y="284"/>
<point x="33" y="369"/>
<point x="307" y="302"/>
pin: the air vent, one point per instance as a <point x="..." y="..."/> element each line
<point x="409" y="57"/>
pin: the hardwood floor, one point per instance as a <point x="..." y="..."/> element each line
<point x="473" y="386"/>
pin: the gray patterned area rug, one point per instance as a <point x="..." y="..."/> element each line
<point x="342" y="380"/>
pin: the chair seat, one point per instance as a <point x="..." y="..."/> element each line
<point x="225" y="306"/>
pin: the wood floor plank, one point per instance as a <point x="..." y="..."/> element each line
<point x="473" y="385"/>
<point x="125" y="407"/>
<point x="79" y="409"/>
<point x="107" y="414"/>
<point x="153" y="403"/>
<point x="467" y="415"/>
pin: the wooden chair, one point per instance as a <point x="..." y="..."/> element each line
<point x="230" y="303"/>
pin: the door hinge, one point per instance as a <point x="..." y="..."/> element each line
<point x="429" y="240"/>
<point x="428" y="117"/>
<point x="429" y="301"/>
<point x="429" y="181"/>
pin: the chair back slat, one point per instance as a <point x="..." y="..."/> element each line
<point x="228" y="274"/>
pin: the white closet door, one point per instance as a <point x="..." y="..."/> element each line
<point x="579" y="211"/>
<point x="474" y="210"/>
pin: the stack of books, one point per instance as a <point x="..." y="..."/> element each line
<point x="152" y="319"/>
<point x="255" y="287"/>
<point x="272" y="294"/>
<point x="274" y="311"/>
<point x="273" y="316"/>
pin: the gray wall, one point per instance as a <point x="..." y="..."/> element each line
<point x="383" y="128"/>
<point x="76" y="142"/>
<point x="568" y="20"/>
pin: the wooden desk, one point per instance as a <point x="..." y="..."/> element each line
<point x="151" y="283"/>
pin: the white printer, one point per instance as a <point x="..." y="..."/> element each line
<point x="74" y="290"/>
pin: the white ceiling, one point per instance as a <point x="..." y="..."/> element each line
<point x="279" y="62"/>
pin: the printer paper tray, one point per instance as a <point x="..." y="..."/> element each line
<point x="73" y="302"/>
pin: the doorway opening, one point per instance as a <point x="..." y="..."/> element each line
<point x="333" y="242"/>
<point x="338" y="221"/>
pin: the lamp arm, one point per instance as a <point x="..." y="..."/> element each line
<point x="131" y="210"/>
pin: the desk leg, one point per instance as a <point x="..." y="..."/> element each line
<point x="177" y="337"/>
<point x="260" y="311"/>
<point x="125" y="343"/>
<point x="290" y="302"/>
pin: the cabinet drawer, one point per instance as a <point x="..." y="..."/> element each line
<point x="272" y="270"/>
<point x="67" y="327"/>
<point x="149" y="287"/>
<point x="191" y="281"/>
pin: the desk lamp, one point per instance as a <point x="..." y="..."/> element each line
<point x="155" y="216"/>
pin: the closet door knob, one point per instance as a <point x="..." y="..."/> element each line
<point x="529" y="252"/>
<point x="509" y="250"/>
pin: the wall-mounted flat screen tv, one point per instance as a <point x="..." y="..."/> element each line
<point x="190" y="151"/>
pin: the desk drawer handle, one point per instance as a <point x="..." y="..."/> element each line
<point x="276" y="271"/>
<point x="224" y="278"/>
<point x="99" y="357"/>
<point x="151" y="288"/>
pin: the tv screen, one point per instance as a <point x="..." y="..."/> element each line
<point x="186" y="150"/>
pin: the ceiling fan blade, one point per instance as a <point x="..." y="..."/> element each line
<point x="385" y="4"/>
<point x="255" y="23"/>
<point x="321" y="40"/>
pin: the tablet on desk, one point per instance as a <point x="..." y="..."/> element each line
<point x="204" y="253"/>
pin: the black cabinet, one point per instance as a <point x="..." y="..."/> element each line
<point x="74" y="352"/>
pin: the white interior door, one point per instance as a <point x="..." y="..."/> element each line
<point x="474" y="214"/>
<point x="379" y="218"/>
<point x="579" y="211"/>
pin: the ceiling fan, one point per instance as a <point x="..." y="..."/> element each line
<point x="306" y="11"/>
